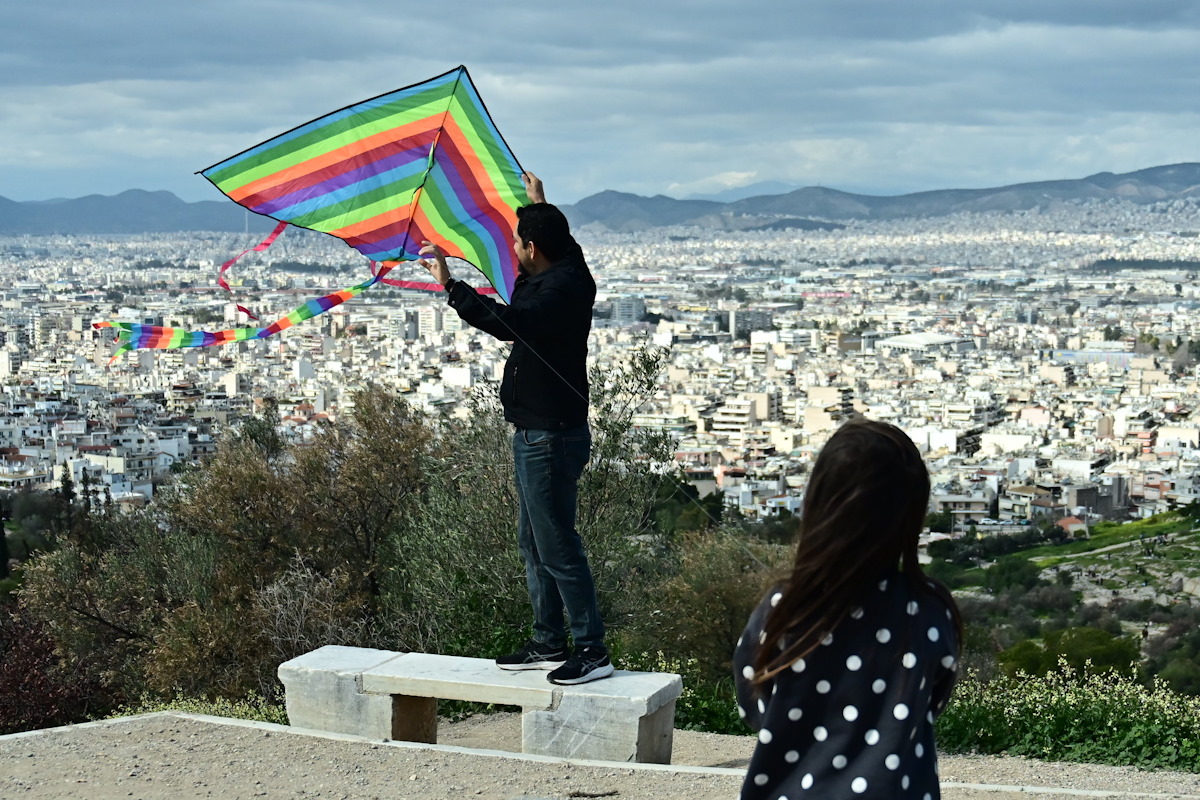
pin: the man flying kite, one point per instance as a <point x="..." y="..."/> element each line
<point x="545" y="396"/>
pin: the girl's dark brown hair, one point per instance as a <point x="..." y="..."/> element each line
<point x="863" y="512"/>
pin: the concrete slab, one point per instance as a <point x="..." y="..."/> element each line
<point x="323" y="691"/>
<point x="476" y="680"/>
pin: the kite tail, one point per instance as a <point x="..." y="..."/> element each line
<point x="135" y="336"/>
<point x="258" y="248"/>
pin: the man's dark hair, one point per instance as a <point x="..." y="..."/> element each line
<point x="547" y="227"/>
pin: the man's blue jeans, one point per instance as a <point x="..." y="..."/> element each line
<point x="548" y="465"/>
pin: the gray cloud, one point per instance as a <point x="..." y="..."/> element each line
<point x="646" y="97"/>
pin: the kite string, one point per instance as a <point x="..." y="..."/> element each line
<point x="258" y="248"/>
<point x="694" y="501"/>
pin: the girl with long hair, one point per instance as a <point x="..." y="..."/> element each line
<point x="844" y="665"/>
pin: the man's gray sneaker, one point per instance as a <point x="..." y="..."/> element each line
<point x="585" y="664"/>
<point x="534" y="656"/>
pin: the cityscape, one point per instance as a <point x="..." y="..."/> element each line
<point x="1040" y="375"/>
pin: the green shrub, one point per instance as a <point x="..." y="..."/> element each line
<point x="699" y="609"/>
<point x="1066" y="715"/>
<point x="1084" y="650"/>
<point x="252" y="707"/>
<point x="705" y="704"/>
<point x="38" y="690"/>
<point x="953" y="575"/>
<point x="1012" y="572"/>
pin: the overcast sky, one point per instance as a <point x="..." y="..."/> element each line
<point x="645" y="96"/>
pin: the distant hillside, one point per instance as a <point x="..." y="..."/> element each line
<point x="624" y="211"/>
<point x="133" y="211"/>
<point x="137" y="211"/>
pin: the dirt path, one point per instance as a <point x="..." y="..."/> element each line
<point x="185" y="756"/>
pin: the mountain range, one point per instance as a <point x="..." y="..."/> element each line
<point x="138" y="211"/>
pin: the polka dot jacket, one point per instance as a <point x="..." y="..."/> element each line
<point x="854" y="718"/>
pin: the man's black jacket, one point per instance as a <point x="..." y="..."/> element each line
<point x="545" y="383"/>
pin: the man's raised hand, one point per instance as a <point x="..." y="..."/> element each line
<point x="533" y="187"/>
<point x="437" y="267"/>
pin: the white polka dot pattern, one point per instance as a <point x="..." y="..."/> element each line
<point x="863" y="743"/>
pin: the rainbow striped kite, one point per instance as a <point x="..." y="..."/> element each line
<point x="421" y="163"/>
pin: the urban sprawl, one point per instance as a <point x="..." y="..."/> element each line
<point x="1044" y="361"/>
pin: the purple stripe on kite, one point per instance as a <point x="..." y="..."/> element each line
<point x="484" y="227"/>
<point x="483" y="198"/>
<point x="462" y="191"/>
<point x="390" y="237"/>
<point x="316" y="195"/>
<point x="388" y="248"/>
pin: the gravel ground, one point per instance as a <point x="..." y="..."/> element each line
<point x="186" y="756"/>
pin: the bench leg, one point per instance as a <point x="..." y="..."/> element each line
<point x="655" y="735"/>
<point x="414" y="719"/>
<point x="601" y="730"/>
<point x="324" y="692"/>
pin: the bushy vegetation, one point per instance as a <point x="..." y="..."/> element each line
<point x="1066" y="715"/>
<point x="252" y="707"/>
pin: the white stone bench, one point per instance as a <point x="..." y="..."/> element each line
<point x="379" y="694"/>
